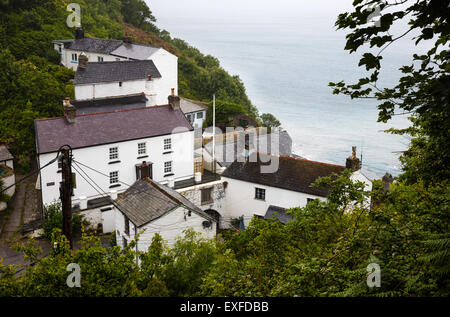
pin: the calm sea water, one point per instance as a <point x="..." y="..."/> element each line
<point x="286" y="63"/>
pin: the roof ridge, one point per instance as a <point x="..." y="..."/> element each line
<point x="301" y="159"/>
<point x="104" y="112"/>
<point x="124" y="61"/>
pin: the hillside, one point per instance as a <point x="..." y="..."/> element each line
<point x="33" y="83"/>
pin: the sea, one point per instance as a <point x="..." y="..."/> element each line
<point x="286" y="52"/>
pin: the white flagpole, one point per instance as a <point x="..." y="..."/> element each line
<point x="214" y="134"/>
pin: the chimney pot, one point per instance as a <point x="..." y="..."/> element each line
<point x="83" y="61"/>
<point x="149" y="77"/>
<point x="174" y="102"/>
<point x="353" y="163"/>
<point x="70" y="112"/>
<point x="173" y="91"/>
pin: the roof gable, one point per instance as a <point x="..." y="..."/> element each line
<point x="292" y="173"/>
<point x="116" y="71"/>
<point x="146" y="201"/>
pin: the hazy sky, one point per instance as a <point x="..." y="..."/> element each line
<point x="241" y="9"/>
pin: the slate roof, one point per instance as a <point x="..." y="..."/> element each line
<point x="109" y="104"/>
<point x="188" y="105"/>
<point x="105" y="72"/>
<point x="91" y="44"/>
<point x="226" y="153"/>
<point x="135" y="51"/>
<point x="277" y="212"/>
<point x="108" y="127"/>
<point x="146" y="201"/>
<point x="292" y="173"/>
<point x="5" y="155"/>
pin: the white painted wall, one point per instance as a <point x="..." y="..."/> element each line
<point x="97" y="157"/>
<point x="169" y="226"/>
<point x="240" y="200"/>
<point x="167" y="65"/>
<point x="66" y="57"/>
<point x="194" y="194"/>
<point x="194" y="120"/>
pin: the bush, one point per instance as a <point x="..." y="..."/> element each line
<point x="53" y="218"/>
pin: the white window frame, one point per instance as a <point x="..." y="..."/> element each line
<point x="167" y="144"/>
<point x="76" y="57"/>
<point x="142" y="148"/>
<point x="200" y="115"/>
<point x="113" y="153"/>
<point x="113" y="177"/>
<point x="100" y="58"/>
<point x="168" y="167"/>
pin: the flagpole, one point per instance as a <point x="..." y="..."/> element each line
<point x="214" y="135"/>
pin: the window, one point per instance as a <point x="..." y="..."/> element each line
<point x="127" y="226"/>
<point x="117" y="59"/>
<point x="142" y="148"/>
<point x="167" y="167"/>
<point x="120" y="84"/>
<point x="74" y="57"/>
<point x="114" y="177"/>
<point x="60" y="48"/>
<point x="260" y="193"/>
<point x="124" y="242"/>
<point x="113" y="153"/>
<point x="167" y="144"/>
<point x="200" y="115"/>
<point x="189" y="117"/>
<point x="206" y="195"/>
<point x="308" y="200"/>
<point x="100" y="59"/>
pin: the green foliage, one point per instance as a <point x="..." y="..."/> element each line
<point x="423" y="91"/>
<point x="268" y="120"/>
<point x="33" y="85"/>
<point x="53" y="218"/>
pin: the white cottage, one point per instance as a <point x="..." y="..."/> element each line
<point x="148" y="207"/>
<point x="252" y="193"/>
<point x="108" y="149"/>
<point x="119" y="79"/>
<point x="106" y="50"/>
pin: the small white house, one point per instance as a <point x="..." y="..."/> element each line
<point x="108" y="149"/>
<point x="148" y="207"/>
<point x="195" y="111"/>
<point x="106" y="50"/>
<point x="117" y="79"/>
<point x="251" y="192"/>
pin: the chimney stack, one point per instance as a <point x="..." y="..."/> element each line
<point x="145" y="171"/>
<point x="127" y="39"/>
<point x="353" y="163"/>
<point x="174" y="101"/>
<point x="79" y="33"/>
<point x="83" y="61"/>
<point x="149" y="77"/>
<point x="387" y="180"/>
<point x="70" y="112"/>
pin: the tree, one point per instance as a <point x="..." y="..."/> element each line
<point x="269" y="121"/>
<point x="422" y="92"/>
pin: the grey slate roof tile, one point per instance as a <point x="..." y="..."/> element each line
<point x="104" y="72"/>
<point x="292" y="173"/>
<point x="94" y="45"/>
<point x="108" y="127"/>
<point x="146" y="201"/>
